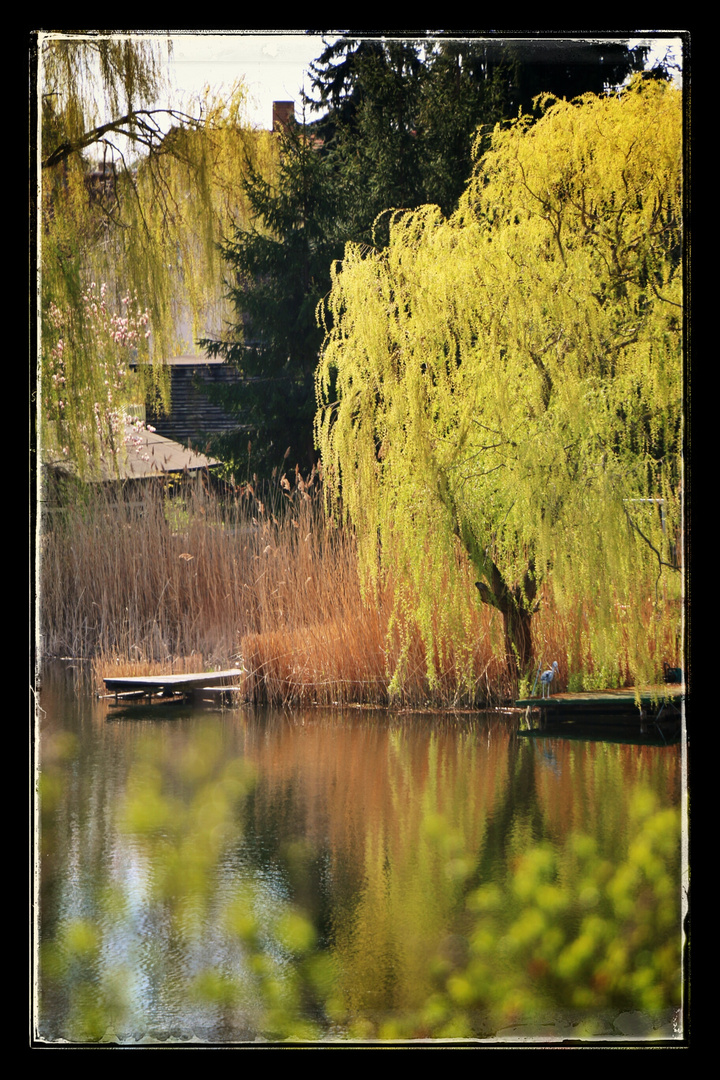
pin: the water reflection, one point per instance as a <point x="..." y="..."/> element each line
<point x="227" y="875"/>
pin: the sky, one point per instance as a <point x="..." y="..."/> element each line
<point x="273" y="62"/>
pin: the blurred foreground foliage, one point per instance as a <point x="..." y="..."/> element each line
<point x="567" y="932"/>
<point x="563" y="934"/>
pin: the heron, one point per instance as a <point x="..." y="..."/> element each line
<point x="547" y="677"/>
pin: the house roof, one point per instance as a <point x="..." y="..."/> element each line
<point x="144" y="455"/>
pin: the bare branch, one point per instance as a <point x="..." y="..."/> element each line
<point x="139" y="126"/>
<point x="661" y="561"/>
<point x="664" y="298"/>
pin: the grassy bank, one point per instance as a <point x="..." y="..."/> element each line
<point x="156" y="582"/>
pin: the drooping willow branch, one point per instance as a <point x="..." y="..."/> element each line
<point x="638" y="530"/>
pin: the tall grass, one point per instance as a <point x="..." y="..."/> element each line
<point x="157" y="582"/>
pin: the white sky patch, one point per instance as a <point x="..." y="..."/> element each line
<point x="272" y="63"/>
<point x="663" y="49"/>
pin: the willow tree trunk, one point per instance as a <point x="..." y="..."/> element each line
<point x="516" y="606"/>
<point x="518" y="639"/>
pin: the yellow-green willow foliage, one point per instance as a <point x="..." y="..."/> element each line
<point x="506" y="385"/>
<point x="134" y="198"/>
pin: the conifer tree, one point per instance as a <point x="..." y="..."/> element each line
<point x="401" y="113"/>
<point x="277" y="268"/>
<point x="370" y="131"/>
<point x="503" y="388"/>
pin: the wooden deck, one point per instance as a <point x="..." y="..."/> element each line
<point x="172" y="685"/>
<point x="654" y="711"/>
<point x="627" y="701"/>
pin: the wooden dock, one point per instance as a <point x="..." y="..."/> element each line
<point x="167" y="686"/>
<point x="654" y="708"/>
<point x="628" y="700"/>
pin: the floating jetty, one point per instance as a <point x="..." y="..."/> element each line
<point x="653" y="709"/>
<point x="187" y="685"/>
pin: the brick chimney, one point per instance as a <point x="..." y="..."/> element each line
<point x="283" y="115"/>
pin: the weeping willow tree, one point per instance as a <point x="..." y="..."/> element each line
<point x="134" y="196"/>
<point x="503" y="389"/>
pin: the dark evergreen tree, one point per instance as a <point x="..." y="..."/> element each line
<point x="370" y="131"/>
<point x="564" y="68"/>
<point x="277" y="271"/>
<point x="465" y="91"/>
<point x="401" y="113"/>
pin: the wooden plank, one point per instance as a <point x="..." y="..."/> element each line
<point x="156" y="683"/>
<point x="220" y="690"/>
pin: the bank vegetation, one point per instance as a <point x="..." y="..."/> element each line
<point x="189" y="577"/>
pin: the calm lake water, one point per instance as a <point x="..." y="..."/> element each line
<point x="227" y="875"/>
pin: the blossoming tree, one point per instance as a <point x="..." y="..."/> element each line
<point x="86" y="398"/>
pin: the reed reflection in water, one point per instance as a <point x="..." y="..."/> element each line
<point x="228" y="875"/>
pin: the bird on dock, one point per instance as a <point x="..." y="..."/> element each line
<point x="547" y="677"/>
